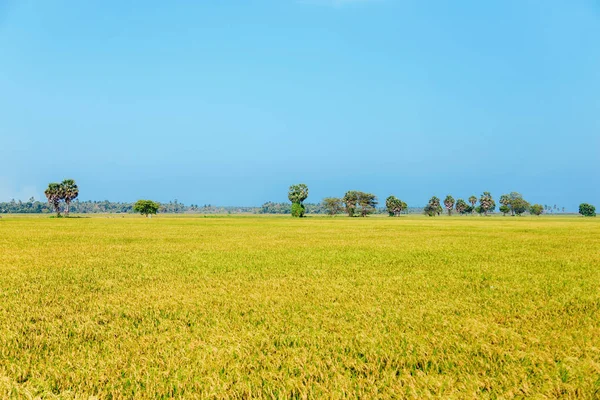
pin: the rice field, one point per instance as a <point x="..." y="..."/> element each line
<point x="267" y="307"/>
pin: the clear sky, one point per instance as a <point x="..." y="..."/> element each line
<point x="230" y="101"/>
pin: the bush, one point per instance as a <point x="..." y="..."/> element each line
<point x="587" y="210"/>
<point x="298" y="210"/>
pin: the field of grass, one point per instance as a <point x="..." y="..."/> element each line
<point x="274" y="307"/>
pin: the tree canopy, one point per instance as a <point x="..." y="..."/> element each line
<point x="146" y="207"/>
<point x="587" y="210"/>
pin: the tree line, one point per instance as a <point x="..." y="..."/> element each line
<point x="64" y="196"/>
<point x="356" y="203"/>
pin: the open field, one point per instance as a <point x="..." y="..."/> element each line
<point x="275" y="307"/>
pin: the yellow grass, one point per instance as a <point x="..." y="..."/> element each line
<point x="275" y="307"/>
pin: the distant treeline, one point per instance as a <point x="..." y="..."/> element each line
<point x="33" y="206"/>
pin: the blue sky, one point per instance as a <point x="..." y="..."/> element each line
<point x="229" y="102"/>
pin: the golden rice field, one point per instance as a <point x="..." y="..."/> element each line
<point x="266" y="307"/>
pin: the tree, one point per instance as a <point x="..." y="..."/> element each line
<point x="462" y="206"/>
<point x="587" y="210"/>
<point x="332" y="205"/>
<point x="487" y="203"/>
<point x="367" y="203"/>
<point x="473" y="201"/>
<point x="505" y="204"/>
<point x="350" y="201"/>
<point x="519" y="206"/>
<point x="433" y="207"/>
<point x="297" y="194"/>
<point x="54" y="194"/>
<point x="146" y="207"/>
<point x="70" y="192"/>
<point x="536" y="209"/>
<point x="361" y="202"/>
<point x="394" y="206"/>
<point x="449" y="204"/>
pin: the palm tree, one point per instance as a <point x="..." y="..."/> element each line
<point x="449" y="203"/>
<point x="54" y="194"/>
<point x="473" y="201"/>
<point x="70" y="192"/>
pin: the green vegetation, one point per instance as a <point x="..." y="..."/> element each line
<point x="449" y="204"/>
<point x="587" y="210"/>
<point x="240" y="307"/>
<point x="433" y="207"/>
<point x="487" y="203"/>
<point x="394" y="206"/>
<point x="359" y="203"/>
<point x="146" y="207"/>
<point x="66" y="192"/>
<point x="333" y="205"/>
<point x="297" y="194"/>
<point x="536" y="209"/>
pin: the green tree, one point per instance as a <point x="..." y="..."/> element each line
<point x="504" y="204"/>
<point x="55" y="193"/>
<point x="297" y="194"/>
<point x="536" y="209"/>
<point x="146" y="207"/>
<point x="487" y="203"/>
<point x="587" y="210"/>
<point x="350" y="201"/>
<point x="367" y="203"/>
<point x="394" y="206"/>
<point x="449" y="204"/>
<point x="359" y="202"/>
<point x="518" y="206"/>
<point x="461" y="206"/>
<point x="70" y="193"/>
<point x="332" y="205"/>
<point x="433" y="207"/>
<point x="473" y="201"/>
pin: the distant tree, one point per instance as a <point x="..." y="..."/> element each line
<point x="563" y="210"/>
<point x="504" y="209"/>
<point x="449" y="204"/>
<point x="587" y="210"/>
<point x="332" y="205"/>
<point x="519" y="205"/>
<point x="367" y="203"/>
<point x="146" y="207"/>
<point x="70" y="193"/>
<point x="350" y="201"/>
<point x="461" y="206"/>
<point x="297" y="194"/>
<point x="55" y="193"/>
<point x="487" y="203"/>
<point x="473" y="201"/>
<point x="359" y="202"/>
<point x="536" y="209"/>
<point x="394" y="206"/>
<point x="433" y="207"/>
<point x="505" y="204"/>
